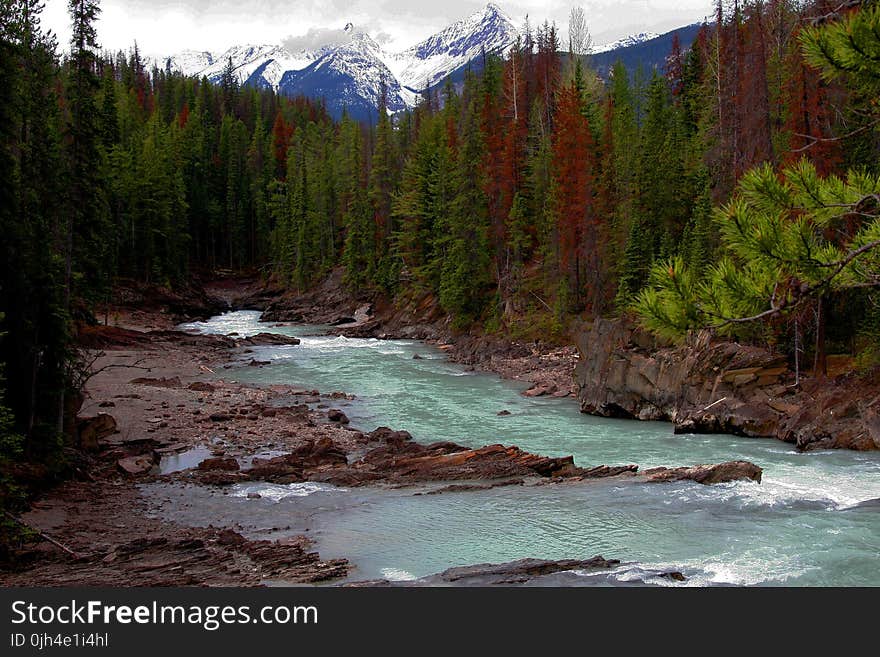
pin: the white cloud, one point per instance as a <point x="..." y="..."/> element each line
<point x="315" y="38"/>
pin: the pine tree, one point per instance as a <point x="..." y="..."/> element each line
<point x="381" y="190"/>
<point x="465" y="272"/>
<point x="847" y="48"/>
<point x="782" y="246"/>
<point x="573" y="191"/>
<point x="36" y="348"/>
<point x="87" y="223"/>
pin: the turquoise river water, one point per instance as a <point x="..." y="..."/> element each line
<point x="813" y="520"/>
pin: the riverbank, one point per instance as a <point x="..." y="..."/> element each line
<point x="153" y="397"/>
<point x="158" y="410"/>
<point x="708" y="386"/>
<point x="705" y="386"/>
<point x="546" y="364"/>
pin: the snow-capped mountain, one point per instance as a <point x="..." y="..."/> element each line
<point x="188" y="62"/>
<point x="429" y="62"/>
<point x="625" y="42"/>
<point x="349" y="77"/>
<point x="349" y="74"/>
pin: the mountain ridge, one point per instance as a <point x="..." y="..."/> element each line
<point x="349" y="74"/>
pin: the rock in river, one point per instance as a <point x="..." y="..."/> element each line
<point x="226" y="463"/>
<point x="137" y="465"/>
<point x="707" y="474"/>
<point x="272" y="339"/>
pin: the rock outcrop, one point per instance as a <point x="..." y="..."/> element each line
<point x="709" y="386"/>
<point x="718" y="473"/>
<point x="514" y="573"/>
<point x="399" y="461"/>
<point x="269" y="339"/>
<point x="92" y="430"/>
<point x="226" y="463"/>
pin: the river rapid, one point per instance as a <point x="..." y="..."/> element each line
<point x="811" y="522"/>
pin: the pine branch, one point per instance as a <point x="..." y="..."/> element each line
<point x="804" y="293"/>
<point x="822" y="140"/>
<point x="836" y="12"/>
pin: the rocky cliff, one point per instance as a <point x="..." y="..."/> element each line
<point x="710" y="386"/>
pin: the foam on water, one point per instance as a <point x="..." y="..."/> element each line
<point x="278" y="492"/>
<point x="397" y="575"/>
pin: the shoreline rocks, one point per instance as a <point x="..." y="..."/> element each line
<point x="707" y="474"/>
<point x="398" y="461"/>
<point x="512" y="573"/>
<point x="708" y="386"/>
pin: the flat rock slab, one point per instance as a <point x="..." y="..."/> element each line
<point x="268" y="339"/>
<point x="136" y="465"/>
<point x="523" y="571"/>
<point x="170" y="382"/>
<point x="707" y="474"/>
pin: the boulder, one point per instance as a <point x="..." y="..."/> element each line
<point x="541" y="389"/>
<point x="270" y="339"/>
<point x="674" y="575"/>
<point x="389" y="436"/>
<point x="93" y="430"/>
<point x="226" y="463"/>
<point x="137" y="465"/>
<point x="707" y="474"/>
<point x="335" y="415"/>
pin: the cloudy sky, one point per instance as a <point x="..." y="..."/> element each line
<point x="166" y="26"/>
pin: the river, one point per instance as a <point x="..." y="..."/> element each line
<point x="806" y="524"/>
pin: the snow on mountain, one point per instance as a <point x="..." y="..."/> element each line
<point x="349" y="76"/>
<point x="247" y="59"/>
<point x="269" y="62"/>
<point x="625" y="42"/>
<point x="428" y="63"/>
<point x="348" y="73"/>
<point x="188" y="62"/>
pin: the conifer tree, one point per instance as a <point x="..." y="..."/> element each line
<point x="573" y="191"/>
<point x="781" y="247"/>
<point x="465" y="271"/>
<point x="87" y="222"/>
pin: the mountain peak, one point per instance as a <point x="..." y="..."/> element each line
<point x="428" y="62"/>
<point x="492" y="8"/>
<point x="491" y="12"/>
<point x="348" y="70"/>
